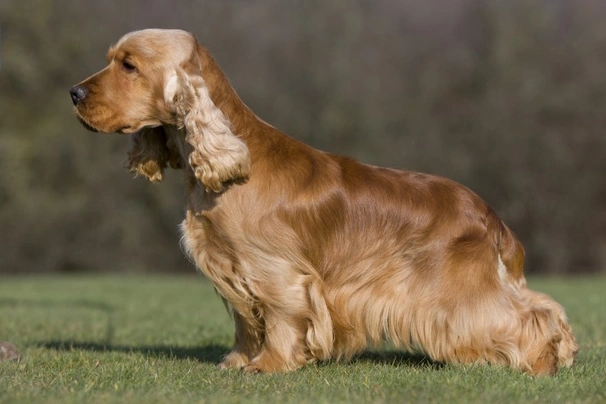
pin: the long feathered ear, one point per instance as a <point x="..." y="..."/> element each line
<point x="218" y="157"/>
<point x="151" y="152"/>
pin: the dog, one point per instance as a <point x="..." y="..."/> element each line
<point x="318" y="256"/>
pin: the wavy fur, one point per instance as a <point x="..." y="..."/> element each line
<point x="151" y="152"/>
<point x="218" y="156"/>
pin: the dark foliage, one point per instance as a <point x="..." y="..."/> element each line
<point x="505" y="96"/>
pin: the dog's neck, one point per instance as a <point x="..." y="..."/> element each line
<point x="245" y="124"/>
<point x="242" y="121"/>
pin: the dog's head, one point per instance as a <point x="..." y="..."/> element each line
<point x="154" y="78"/>
<point x="128" y="94"/>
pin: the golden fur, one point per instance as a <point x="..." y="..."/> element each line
<point x="316" y="255"/>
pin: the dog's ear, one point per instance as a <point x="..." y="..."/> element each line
<point x="151" y="152"/>
<point x="218" y="156"/>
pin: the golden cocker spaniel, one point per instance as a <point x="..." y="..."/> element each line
<point x="319" y="256"/>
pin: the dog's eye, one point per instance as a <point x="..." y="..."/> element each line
<point x="128" y="66"/>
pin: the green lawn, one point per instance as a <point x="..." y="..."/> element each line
<point x="128" y="339"/>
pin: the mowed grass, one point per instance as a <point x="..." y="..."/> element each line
<point x="156" y="339"/>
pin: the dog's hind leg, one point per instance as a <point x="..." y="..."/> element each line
<point x="545" y="314"/>
<point x="477" y="312"/>
<point x="521" y="329"/>
<point x="564" y="344"/>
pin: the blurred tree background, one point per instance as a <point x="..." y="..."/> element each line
<point x="505" y="96"/>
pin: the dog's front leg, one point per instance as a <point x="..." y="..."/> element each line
<point x="247" y="344"/>
<point x="284" y="346"/>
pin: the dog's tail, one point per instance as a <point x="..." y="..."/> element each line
<point x="511" y="253"/>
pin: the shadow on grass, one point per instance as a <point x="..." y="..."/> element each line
<point x="210" y="353"/>
<point x="398" y="359"/>
<point x="215" y="353"/>
<point x="46" y="304"/>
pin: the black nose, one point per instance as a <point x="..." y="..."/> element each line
<point x="78" y="93"/>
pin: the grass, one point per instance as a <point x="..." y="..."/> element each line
<point x="154" y="339"/>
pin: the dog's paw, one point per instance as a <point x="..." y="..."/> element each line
<point x="252" y="369"/>
<point x="265" y="363"/>
<point x="233" y="360"/>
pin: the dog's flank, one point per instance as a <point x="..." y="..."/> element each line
<point x="316" y="255"/>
